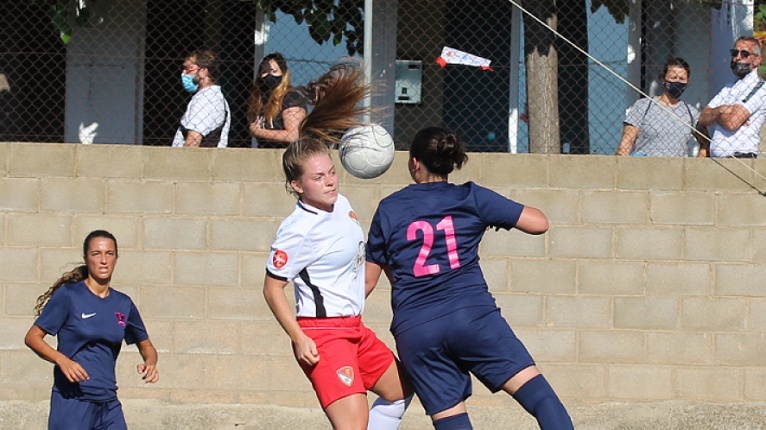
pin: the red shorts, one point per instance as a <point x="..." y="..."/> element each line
<point x="351" y="357"/>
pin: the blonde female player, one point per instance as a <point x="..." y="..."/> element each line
<point x="320" y="248"/>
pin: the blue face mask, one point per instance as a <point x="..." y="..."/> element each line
<point x="188" y="83"/>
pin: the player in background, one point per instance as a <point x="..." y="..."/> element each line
<point x="445" y="322"/>
<point x="320" y="249"/>
<point x="90" y="320"/>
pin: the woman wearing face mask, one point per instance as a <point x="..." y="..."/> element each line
<point x="661" y="126"/>
<point x="275" y="110"/>
<point x="207" y="119"/>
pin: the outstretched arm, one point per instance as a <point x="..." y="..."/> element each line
<point x="149" y="367"/>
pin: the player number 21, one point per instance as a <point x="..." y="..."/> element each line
<point x="420" y="268"/>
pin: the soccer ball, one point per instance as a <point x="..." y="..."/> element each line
<point x="366" y="151"/>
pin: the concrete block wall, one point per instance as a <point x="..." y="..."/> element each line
<point x="649" y="286"/>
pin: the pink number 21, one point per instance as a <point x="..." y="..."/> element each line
<point x="420" y="268"/>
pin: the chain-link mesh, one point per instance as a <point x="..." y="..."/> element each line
<point x="118" y="79"/>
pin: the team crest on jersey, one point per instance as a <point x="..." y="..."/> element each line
<point x="120" y="318"/>
<point x="279" y="259"/>
<point x="346" y="375"/>
<point x="352" y="215"/>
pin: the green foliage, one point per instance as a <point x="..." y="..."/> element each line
<point x="327" y="20"/>
<point x="619" y="9"/>
<point x="59" y="10"/>
<point x="759" y="18"/>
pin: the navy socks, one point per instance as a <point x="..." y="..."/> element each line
<point x="538" y="398"/>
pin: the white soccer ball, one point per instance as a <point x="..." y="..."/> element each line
<point x="366" y="151"/>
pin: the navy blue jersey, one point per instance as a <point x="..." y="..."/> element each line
<point x="90" y="331"/>
<point x="429" y="234"/>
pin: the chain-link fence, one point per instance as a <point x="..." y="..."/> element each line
<point x="561" y="74"/>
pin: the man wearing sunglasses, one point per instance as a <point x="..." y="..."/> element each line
<point x="207" y="119"/>
<point x="737" y="112"/>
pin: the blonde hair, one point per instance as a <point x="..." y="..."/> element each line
<point x="296" y="154"/>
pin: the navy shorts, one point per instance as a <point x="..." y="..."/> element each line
<point x="439" y="355"/>
<point x="74" y="414"/>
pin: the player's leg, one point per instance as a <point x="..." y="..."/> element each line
<point x="348" y="413"/>
<point x="440" y="383"/>
<point x="385" y="376"/>
<point x="70" y="414"/>
<point x="395" y="393"/>
<point x="336" y="377"/>
<point x="530" y="388"/>
<point x="489" y="348"/>
<point x="112" y="417"/>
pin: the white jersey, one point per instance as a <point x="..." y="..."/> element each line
<point x="322" y="253"/>
<point x="751" y="94"/>
<point x="207" y="111"/>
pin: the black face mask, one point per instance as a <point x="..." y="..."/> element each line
<point x="740" y="69"/>
<point x="675" y="89"/>
<point x="269" y="82"/>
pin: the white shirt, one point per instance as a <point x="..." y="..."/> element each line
<point x="745" y="139"/>
<point x="322" y="253"/>
<point x="206" y="111"/>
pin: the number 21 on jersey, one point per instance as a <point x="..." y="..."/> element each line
<point x="420" y="268"/>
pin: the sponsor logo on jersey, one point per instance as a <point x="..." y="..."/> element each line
<point x="86" y="316"/>
<point x="346" y="375"/>
<point x="360" y="258"/>
<point x="120" y="318"/>
<point x="279" y="259"/>
<point x="352" y="215"/>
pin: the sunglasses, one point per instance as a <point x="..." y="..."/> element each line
<point x="743" y="53"/>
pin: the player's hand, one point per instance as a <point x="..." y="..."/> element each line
<point x="148" y="372"/>
<point x="72" y="370"/>
<point x="305" y="351"/>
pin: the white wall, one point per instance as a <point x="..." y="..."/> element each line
<point x="105" y="75"/>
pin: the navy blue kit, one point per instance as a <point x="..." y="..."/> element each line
<point x="90" y="331"/>
<point x="445" y="321"/>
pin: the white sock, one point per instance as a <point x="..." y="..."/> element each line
<point x="387" y="415"/>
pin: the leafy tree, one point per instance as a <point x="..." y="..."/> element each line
<point x="327" y="19"/>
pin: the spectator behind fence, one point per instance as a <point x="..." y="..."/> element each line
<point x="207" y="118"/>
<point x="662" y="126"/>
<point x="738" y="110"/>
<point x="275" y="110"/>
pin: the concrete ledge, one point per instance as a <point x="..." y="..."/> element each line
<point x="152" y="415"/>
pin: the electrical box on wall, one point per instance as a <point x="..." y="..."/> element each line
<point x="408" y="81"/>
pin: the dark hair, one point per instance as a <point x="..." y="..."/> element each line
<point x="439" y="150"/>
<point x="78" y="273"/>
<point x="270" y="108"/>
<point x="675" y="62"/>
<point x="206" y="59"/>
<point x="296" y="154"/>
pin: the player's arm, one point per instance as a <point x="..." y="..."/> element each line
<point x="304" y="347"/>
<point x="193" y="138"/>
<point x="71" y="369"/>
<point x="629" y="136"/>
<point x="372" y="275"/>
<point x="149" y="367"/>
<point x="532" y="221"/>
